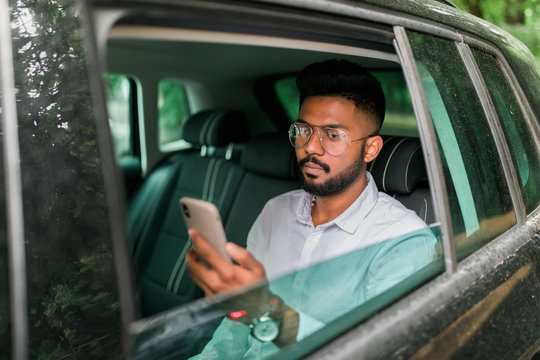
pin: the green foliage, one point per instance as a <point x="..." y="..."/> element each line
<point x="72" y="303"/>
<point x="172" y="111"/>
<point x="521" y="18"/>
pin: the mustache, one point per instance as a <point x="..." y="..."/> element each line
<point x="315" y="161"/>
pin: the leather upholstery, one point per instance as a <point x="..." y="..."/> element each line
<point x="270" y="154"/>
<point x="400" y="167"/>
<point x="216" y="128"/>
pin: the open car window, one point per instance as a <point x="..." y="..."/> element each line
<point x="343" y="292"/>
<point x="327" y="298"/>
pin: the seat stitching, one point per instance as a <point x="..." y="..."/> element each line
<point x="407" y="168"/>
<point x="374" y="160"/>
<point x="207" y="179"/>
<point x="179" y="261"/>
<point x="213" y="180"/>
<point x="182" y="270"/>
<point x="204" y="128"/>
<point x="175" y="274"/>
<point x="388" y="163"/>
<point x="215" y="120"/>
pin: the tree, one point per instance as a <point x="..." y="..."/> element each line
<point x="521" y="18"/>
<point x="71" y="287"/>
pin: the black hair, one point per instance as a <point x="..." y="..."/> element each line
<point x="344" y="79"/>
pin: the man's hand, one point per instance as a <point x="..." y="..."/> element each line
<point x="222" y="275"/>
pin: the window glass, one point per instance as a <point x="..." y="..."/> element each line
<point x="524" y="150"/>
<point x="173" y="111"/>
<point x="399" y="119"/>
<point x="343" y="292"/>
<point x="5" y="335"/>
<point x="287" y="94"/>
<point x="72" y="298"/>
<point x="119" y="105"/>
<point x="478" y="195"/>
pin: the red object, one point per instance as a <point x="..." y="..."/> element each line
<point x="237" y="314"/>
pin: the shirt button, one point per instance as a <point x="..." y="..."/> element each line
<point x="298" y="282"/>
<point x="311" y="241"/>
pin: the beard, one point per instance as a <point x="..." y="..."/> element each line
<point x="335" y="184"/>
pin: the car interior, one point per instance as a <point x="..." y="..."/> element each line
<point x="232" y="146"/>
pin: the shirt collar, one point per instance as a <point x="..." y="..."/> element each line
<point x="350" y="219"/>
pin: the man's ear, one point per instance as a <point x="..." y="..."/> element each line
<point x="373" y="146"/>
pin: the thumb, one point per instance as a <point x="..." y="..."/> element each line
<point x="243" y="257"/>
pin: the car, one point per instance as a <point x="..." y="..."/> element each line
<point x="114" y="109"/>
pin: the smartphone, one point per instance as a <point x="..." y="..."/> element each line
<point x="204" y="217"/>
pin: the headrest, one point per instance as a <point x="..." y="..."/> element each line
<point x="216" y="128"/>
<point x="270" y="154"/>
<point x="400" y="166"/>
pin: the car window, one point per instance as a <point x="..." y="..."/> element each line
<point x="524" y="149"/>
<point x="120" y="101"/>
<point x="5" y="335"/>
<point x="478" y="195"/>
<point x="173" y="111"/>
<point x="343" y="292"/>
<point x="73" y="308"/>
<point x="399" y="119"/>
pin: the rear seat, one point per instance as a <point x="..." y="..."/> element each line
<point x="161" y="246"/>
<point x="268" y="168"/>
<point x="400" y="171"/>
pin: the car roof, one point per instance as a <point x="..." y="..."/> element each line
<point x="440" y="13"/>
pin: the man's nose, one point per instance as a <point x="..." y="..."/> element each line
<point x="314" y="145"/>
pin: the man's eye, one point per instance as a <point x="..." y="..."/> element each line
<point x="333" y="134"/>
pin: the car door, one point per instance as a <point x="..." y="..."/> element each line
<point x="491" y="252"/>
<point x="58" y="199"/>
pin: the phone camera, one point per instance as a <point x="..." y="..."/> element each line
<point x="186" y="210"/>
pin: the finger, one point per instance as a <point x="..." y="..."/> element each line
<point x="207" y="251"/>
<point x="199" y="272"/>
<point x="209" y="280"/>
<point x="245" y="259"/>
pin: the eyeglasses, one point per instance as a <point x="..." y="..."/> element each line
<point x="334" y="141"/>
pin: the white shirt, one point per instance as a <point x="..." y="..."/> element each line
<point x="284" y="239"/>
<point x="374" y="244"/>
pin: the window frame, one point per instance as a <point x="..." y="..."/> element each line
<point x="463" y="43"/>
<point x="492" y="116"/>
<point x="14" y="196"/>
<point x="348" y="344"/>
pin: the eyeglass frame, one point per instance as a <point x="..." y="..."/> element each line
<point x="311" y="127"/>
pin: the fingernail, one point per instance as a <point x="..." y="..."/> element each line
<point x="231" y="248"/>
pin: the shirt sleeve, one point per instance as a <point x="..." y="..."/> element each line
<point x="398" y="259"/>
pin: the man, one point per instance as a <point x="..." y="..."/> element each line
<point x="338" y="210"/>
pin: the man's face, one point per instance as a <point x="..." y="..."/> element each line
<point x="322" y="173"/>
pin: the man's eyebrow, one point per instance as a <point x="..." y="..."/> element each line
<point x="330" y="126"/>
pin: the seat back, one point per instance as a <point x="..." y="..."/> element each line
<point x="208" y="175"/>
<point x="400" y="171"/>
<point x="270" y="170"/>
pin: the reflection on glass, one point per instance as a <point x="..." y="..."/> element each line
<point x="72" y="298"/>
<point x="342" y="291"/>
<point x="524" y="149"/>
<point x="478" y="195"/>
<point x="5" y="338"/>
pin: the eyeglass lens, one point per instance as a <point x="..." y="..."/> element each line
<point x="334" y="141"/>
